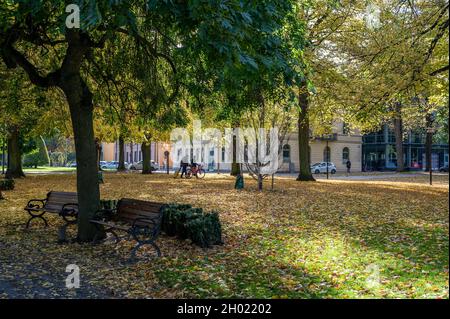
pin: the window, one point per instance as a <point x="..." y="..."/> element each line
<point x="223" y="154"/>
<point x="326" y="154"/>
<point x="286" y="153"/>
<point x="345" y="129"/>
<point x="345" y="155"/>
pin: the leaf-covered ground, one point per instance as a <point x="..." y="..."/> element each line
<point x="329" y="239"/>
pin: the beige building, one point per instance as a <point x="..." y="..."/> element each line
<point x="342" y="145"/>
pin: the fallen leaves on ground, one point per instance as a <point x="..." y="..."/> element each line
<point x="328" y="239"/>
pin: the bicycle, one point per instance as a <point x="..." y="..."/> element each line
<point x="196" y="171"/>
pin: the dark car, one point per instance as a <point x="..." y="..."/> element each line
<point x="443" y="168"/>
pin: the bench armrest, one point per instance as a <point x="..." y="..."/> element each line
<point x="36" y="203"/>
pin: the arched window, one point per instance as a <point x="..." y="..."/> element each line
<point x="327" y="154"/>
<point x="286" y="153"/>
<point x="345" y="155"/>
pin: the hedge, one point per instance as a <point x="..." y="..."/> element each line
<point x="186" y="222"/>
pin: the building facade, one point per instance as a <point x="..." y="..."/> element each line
<point x="341" y="147"/>
<point x="379" y="151"/>
<point x="133" y="153"/>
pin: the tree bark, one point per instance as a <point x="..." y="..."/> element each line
<point x="398" y="131"/>
<point x="14" y="169"/>
<point x="428" y="144"/>
<point x="81" y="108"/>
<point x="303" y="135"/>
<point x="235" y="166"/>
<point x="146" y="158"/>
<point x="121" y="166"/>
<point x="131" y="153"/>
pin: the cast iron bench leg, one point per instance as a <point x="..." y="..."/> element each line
<point x="140" y="244"/>
<point x="33" y="216"/>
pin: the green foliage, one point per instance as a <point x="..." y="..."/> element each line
<point x="205" y="230"/>
<point x="6" y="184"/>
<point x="57" y="158"/>
<point x="37" y="157"/>
<point x="183" y="221"/>
<point x="169" y="217"/>
<point x="108" y="204"/>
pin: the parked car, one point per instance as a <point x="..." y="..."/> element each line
<point x="139" y="165"/>
<point x="110" y="165"/>
<point x="443" y="169"/>
<point x="321" y="167"/>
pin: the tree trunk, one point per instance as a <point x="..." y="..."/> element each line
<point x="14" y="169"/>
<point x="398" y="131"/>
<point x="428" y="144"/>
<point x="235" y="166"/>
<point x="146" y="158"/>
<point x="121" y="166"/>
<point x="131" y="153"/>
<point x="303" y="135"/>
<point x="81" y="108"/>
<point x="87" y="169"/>
<point x="260" y="182"/>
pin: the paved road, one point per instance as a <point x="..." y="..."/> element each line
<point x="370" y="176"/>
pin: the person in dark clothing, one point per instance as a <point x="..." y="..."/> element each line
<point x="349" y="166"/>
<point x="183" y="165"/>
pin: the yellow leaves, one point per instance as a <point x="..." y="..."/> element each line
<point x="300" y="240"/>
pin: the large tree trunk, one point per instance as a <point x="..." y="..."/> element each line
<point x="14" y="169"/>
<point x="398" y="131"/>
<point x="146" y="158"/>
<point x="81" y="107"/>
<point x="235" y="166"/>
<point x="428" y="144"/>
<point x="132" y="159"/>
<point x="303" y="135"/>
<point x="121" y="166"/>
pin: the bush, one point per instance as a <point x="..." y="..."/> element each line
<point x="168" y="224"/>
<point x="206" y="230"/>
<point x="6" y="184"/>
<point x="185" y="222"/>
<point x="108" y="204"/>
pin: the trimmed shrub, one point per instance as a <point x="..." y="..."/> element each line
<point x="108" y="203"/>
<point x="6" y="184"/>
<point x="182" y="218"/>
<point x="205" y="230"/>
<point x="183" y="221"/>
<point x="169" y="217"/>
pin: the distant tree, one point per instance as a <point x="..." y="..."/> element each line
<point x="39" y="156"/>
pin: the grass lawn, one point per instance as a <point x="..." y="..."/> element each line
<point x="329" y="239"/>
<point x="48" y="169"/>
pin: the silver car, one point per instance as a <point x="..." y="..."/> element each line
<point x="321" y="167"/>
<point x="139" y="165"/>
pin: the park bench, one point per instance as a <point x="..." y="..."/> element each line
<point x="139" y="219"/>
<point x="65" y="204"/>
